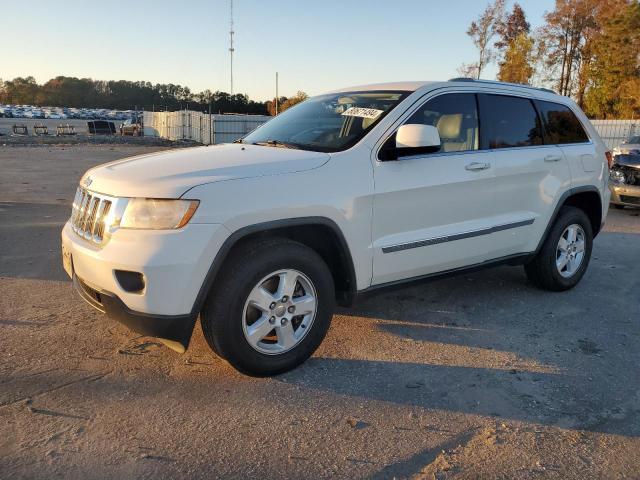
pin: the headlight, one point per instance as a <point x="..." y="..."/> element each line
<point x="158" y="214"/>
<point x="617" y="176"/>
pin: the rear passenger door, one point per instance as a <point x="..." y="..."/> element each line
<point x="529" y="175"/>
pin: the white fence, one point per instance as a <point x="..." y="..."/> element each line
<point x="211" y="129"/>
<point x="200" y="127"/>
<point x="614" y="132"/>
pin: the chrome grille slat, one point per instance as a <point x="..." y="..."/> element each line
<point x="103" y="212"/>
<point x="85" y="213"/>
<point x="88" y="215"/>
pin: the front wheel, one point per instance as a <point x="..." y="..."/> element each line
<point x="271" y="308"/>
<point x="565" y="254"/>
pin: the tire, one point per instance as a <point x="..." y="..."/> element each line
<point x="230" y="308"/>
<point x="617" y="206"/>
<point x="543" y="271"/>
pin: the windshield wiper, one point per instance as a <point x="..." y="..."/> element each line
<point x="276" y="143"/>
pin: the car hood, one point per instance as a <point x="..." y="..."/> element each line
<point x="627" y="160"/>
<point x="170" y="173"/>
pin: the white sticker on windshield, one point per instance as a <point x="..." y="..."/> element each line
<point x="362" y="112"/>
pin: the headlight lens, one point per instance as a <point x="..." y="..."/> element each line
<point x="158" y="214"/>
<point x="617" y="176"/>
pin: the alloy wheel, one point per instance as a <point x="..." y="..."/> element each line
<point x="279" y="311"/>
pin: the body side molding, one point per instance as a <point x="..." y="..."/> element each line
<point x="455" y="236"/>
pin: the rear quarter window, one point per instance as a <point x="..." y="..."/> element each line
<point x="561" y="124"/>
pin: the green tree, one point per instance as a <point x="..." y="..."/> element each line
<point x="122" y="95"/>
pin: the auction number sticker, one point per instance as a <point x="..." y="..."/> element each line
<point x="362" y="112"/>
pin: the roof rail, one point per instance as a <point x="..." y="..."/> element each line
<point x="495" y="82"/>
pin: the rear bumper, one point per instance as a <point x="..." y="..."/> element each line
<point x="625" y="194"/>
<point x="174" y="330"/>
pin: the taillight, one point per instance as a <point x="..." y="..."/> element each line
<point x="609" y="158"/>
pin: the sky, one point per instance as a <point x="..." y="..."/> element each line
<point x="314" y="45"/>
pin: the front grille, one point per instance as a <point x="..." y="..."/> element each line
<point x="631" y="200"/>
<point x="88" y="215"/>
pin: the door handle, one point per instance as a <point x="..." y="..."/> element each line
<point x="477" y="166"/>
<point x="552" y="158"/>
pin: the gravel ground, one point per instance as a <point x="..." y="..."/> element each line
<point x="478" y="376"/>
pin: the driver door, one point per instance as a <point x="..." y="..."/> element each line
<point x="432" y="212"/>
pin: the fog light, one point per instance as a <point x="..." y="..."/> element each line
<point x="132" y="282"/>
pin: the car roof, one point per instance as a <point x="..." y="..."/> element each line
<point x="401" y="86"/>
<point x="413" y="86"/>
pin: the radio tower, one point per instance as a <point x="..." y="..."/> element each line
<point x="231" y="49"/>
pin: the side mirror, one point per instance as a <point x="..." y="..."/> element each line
<point x="412" y="139"/>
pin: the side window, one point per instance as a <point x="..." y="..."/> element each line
<point x="455" y="115"/>
<point x="561" y="124"/>
<point x="509" y="122"/>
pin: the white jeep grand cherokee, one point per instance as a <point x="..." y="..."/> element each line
<point x="342" y="195"/>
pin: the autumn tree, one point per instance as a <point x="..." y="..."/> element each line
<point x="613" y="87"/>
<point x="518" y="61"/>
<point x="284" y="103"/>
<point x="516" y="47"/>
<point x="482" y="31"/>
<point x="509" y="29"/>
<point x="563" y="39"/>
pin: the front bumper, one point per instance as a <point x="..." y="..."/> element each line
<point x="174" y="330"/>
<point x="173" y="264"/>
<point x="625" y="194"/>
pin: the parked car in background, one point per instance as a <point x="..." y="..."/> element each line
<point x="338" y="197"/>
<point x="625" y="178"/>
<point x="631" y="146"/>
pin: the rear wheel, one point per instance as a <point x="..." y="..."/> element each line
<point x="565" y="254"/>
<point x="271" y="307"/>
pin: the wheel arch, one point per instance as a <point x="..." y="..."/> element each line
<point x="588" y="199"/>
<point x="318" y="233"/>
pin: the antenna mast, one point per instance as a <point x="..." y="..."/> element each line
<point x="231" y="49"/>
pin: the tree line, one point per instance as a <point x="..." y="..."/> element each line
<point x="126" y="95"/>
<point x="586" y="49"/>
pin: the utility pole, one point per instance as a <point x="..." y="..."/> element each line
<point x="277" y="101"/>
<point x="231" y="49"/>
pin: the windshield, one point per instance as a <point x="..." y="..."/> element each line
<point x="327" y="123"/>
